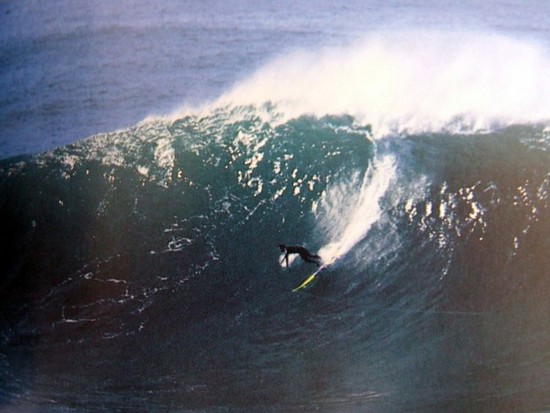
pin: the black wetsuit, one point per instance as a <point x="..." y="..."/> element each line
<point x="304" y="254"/>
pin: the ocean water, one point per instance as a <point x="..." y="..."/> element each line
<point x="155" y="155"/>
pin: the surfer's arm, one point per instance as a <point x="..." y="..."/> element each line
<point x="285" y="258"/>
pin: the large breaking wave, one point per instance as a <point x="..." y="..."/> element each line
<point x="141" y="266"/>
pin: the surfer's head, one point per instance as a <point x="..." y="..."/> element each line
<point x="282" y="247"/>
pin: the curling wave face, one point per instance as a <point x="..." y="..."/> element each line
<point x="154" y="248"/>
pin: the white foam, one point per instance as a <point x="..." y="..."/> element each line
<point x="347" y="211"/>
<point x="409" y="82"/>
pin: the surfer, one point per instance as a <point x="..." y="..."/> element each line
<point x="304" y="254"/>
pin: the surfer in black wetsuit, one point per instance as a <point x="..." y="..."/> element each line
<point x="304" y="254"/>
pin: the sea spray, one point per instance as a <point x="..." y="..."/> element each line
<point x="409" y="82"/>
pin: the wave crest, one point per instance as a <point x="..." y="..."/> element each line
<point x="410" y="82"/>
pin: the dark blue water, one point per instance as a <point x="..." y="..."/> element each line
<point x="140" y="266"/>
<point x="141" y="269"/>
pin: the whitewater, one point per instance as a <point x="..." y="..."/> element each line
<point x="411" y="81"/>
<point x="141" y="270"/>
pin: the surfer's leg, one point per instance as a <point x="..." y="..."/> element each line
<point x="315" y="259"/>
<point x="318" y="260"/>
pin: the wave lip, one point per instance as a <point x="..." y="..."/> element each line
<point x="410" y="82"/>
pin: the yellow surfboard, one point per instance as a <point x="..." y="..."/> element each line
<point x="309" y="279"/>
<point x="306" y="281"/>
